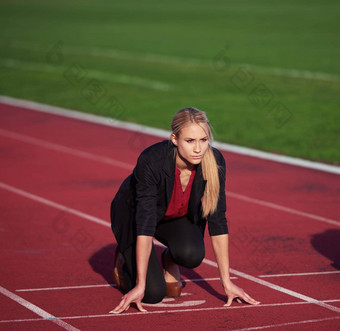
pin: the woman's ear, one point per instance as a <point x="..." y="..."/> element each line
<point x="174" y="139"/>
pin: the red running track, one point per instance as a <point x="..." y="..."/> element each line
<point x="58" y="177"/>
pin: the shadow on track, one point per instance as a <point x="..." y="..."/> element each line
<point x="328" y="244"/>
<point x="102" y="262"/>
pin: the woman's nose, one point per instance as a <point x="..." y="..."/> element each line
<point x="197" y="148"/>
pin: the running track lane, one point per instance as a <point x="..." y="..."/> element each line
<point x="77" y="138"/>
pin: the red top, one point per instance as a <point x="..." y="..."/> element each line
<point x="179" y="202"/>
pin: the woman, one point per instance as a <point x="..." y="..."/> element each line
<point x="176" y="187"/>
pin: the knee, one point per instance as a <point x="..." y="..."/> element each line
<point x="190" y="256"/>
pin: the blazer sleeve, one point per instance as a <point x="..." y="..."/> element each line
<point x="146" y="197"/>
<point x="217" y="222"/>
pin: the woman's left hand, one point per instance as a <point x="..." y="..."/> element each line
<point x="234" y="292"/>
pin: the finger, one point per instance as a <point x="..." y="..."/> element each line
<point x="116" y="309"/>
<point x="229" y="302"/>
<point x="239" y="300"/>
<point x="127" y="307"/>
<point x="123" y="306"/>
<point x="247" y="298"/>
<point x="252" y="301"/>
<point x="120" y="310"/>
<point x="140" y="307"/>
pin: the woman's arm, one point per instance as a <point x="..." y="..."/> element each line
<point x="143" y="251"/>
<point x="220" y="245"/>
<point x="147" y="177"/>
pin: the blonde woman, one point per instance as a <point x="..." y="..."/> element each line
<point x="177" y="186"/>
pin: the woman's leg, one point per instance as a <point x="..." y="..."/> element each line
<point x="155" y="288"/>
<point x="184" y="240"/>
<point x="186" y="248"/>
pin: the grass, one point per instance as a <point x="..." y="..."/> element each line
<point x="266" y="72"/>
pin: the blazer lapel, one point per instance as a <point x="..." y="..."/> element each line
<point x="197" y="191"/>
<point x="169" y="170"/>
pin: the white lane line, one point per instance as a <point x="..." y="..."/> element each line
<point x="269" y="305"/>
<point x="168" y="59"/>
<point x="207" y="261"/>
<point x="142" y="129"/>
<point x="282" y="208"/>
<point x="301" y="274"/>
<point x="35" y="309"/>
<point x="287" y="324"/>
<point x="64" y="288"/>
<point x="166" y="304"/>
<point x="64" y="149"/>
<point x="277" y="288"/>
<point x="76" y="287"/>
<point x="124" y="165"/>
<point x="201" y="280"/>
<point x="96" y="74"/>
<point x="54" y="204"/>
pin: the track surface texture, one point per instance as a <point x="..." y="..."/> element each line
<point x="58" y="176"/>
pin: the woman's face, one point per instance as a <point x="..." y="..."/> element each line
<point x="192" y="143"/>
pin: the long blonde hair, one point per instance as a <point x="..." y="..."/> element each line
<point x="208" y="163"/>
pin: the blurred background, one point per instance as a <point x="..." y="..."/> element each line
<point x="266" y="72"/>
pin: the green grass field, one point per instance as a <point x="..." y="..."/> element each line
<point x="266" y="72"/>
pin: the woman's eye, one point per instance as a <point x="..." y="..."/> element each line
<point x="190" y="141"/>
<point x="204" y="139"/>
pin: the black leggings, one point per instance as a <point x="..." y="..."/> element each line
<point x="186" y="245"/>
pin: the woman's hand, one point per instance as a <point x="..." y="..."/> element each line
<point x="220" y="245"/>
<point x="135" y="295"/>
<point x="143" y="250"/>
<point x="234" y="292"/>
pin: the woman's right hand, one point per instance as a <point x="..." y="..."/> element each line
<point x="135" y="295"/>
<point x="143" y="250"/>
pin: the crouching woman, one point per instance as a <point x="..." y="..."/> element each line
<point x="177" y="186"/>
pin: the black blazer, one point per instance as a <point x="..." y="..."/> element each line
<point x="144" y="196"/>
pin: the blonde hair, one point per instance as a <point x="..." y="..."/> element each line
<point x="208" y="163"/>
